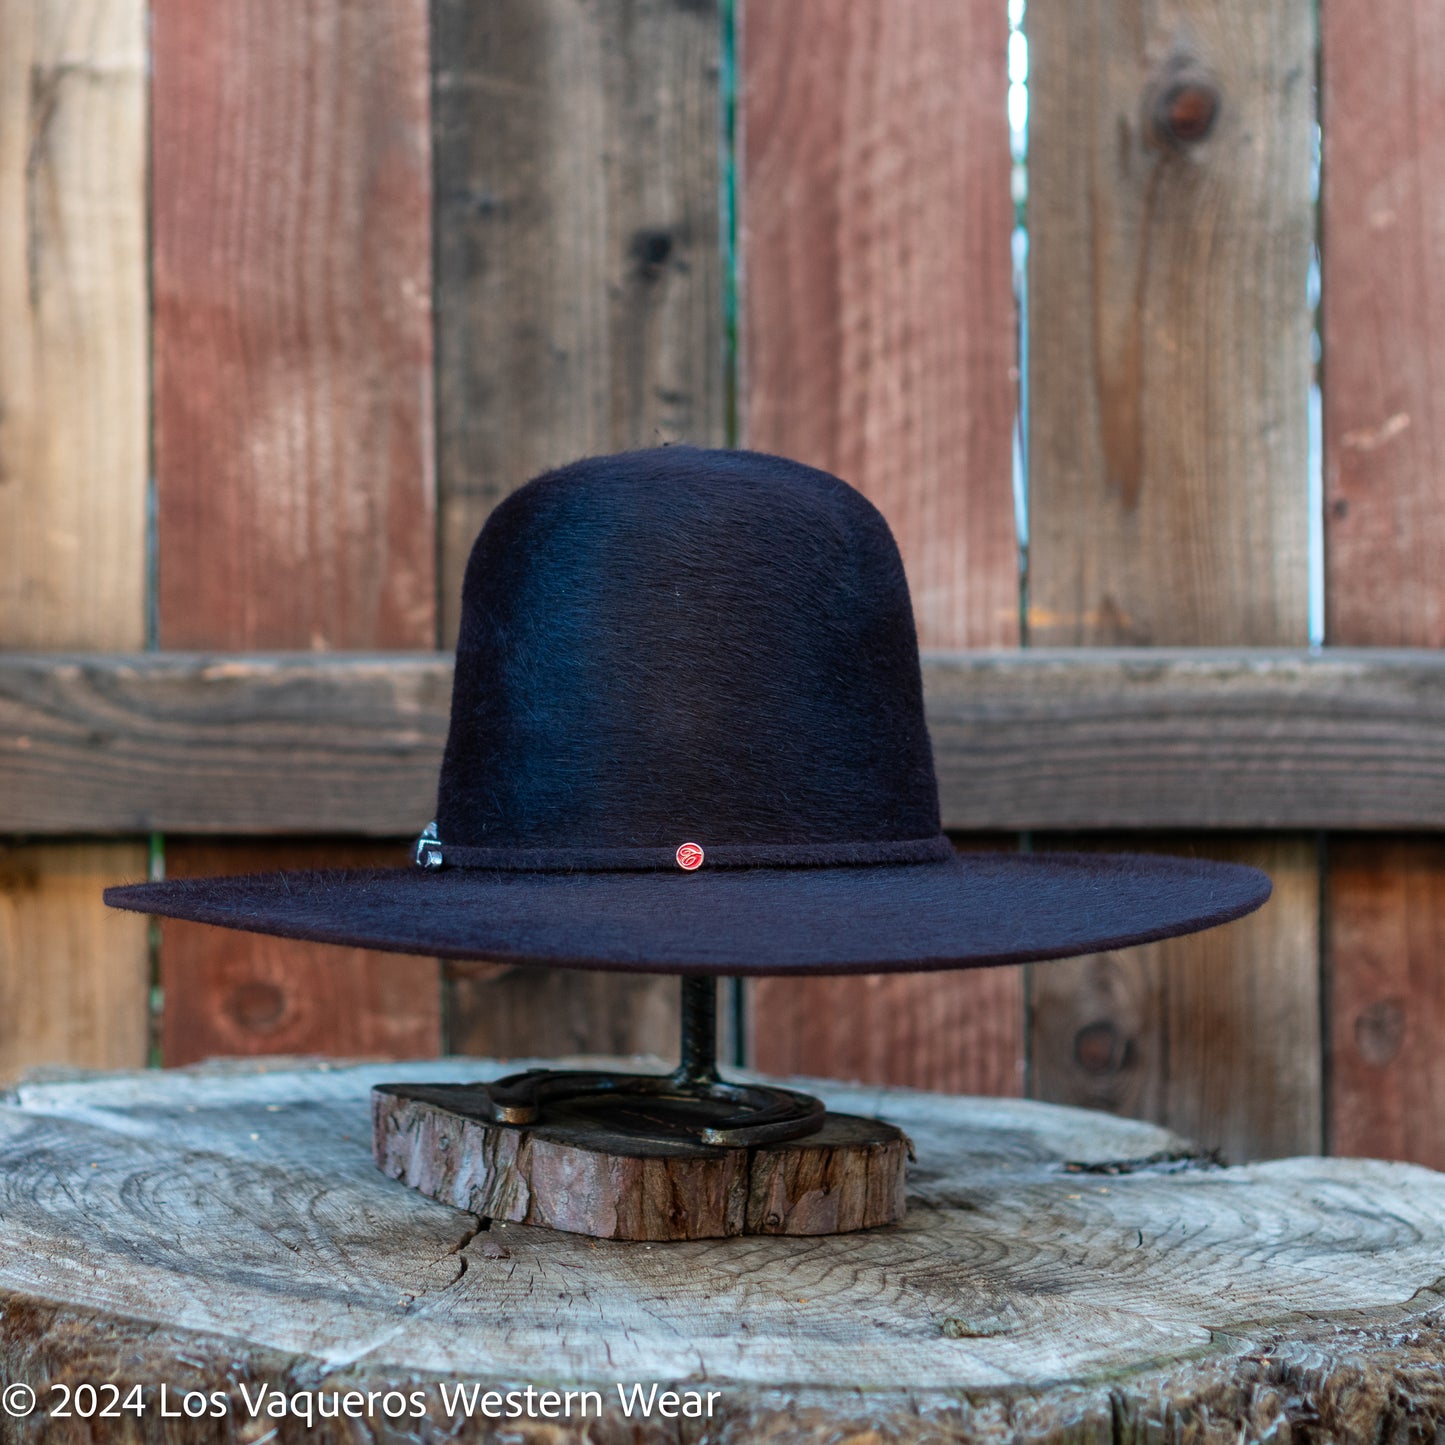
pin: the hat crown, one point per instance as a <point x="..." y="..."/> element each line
<point x="681" y="645"/>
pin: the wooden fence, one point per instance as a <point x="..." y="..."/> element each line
<point x="293" y="291"/>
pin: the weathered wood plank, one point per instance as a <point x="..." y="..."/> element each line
<point x="941" y="1031"/>
<point x="263" y="996"/>
<point x="1170" y="226"/>
<point x="292" y="261"/>
<point x="880" y="339"/>
<point x="1386" y="932"/>
<point x="1383" y="223"/>
<point x="74" y="977"/>
<point x="579" y="298"/>
<point x="293" y="418"/>
<point x="1143" y="1031"/>
<point x="1069" y="738"/>
<point x="1060" y="1274"/>
<point x="879" y="343"/>
<point x="579" y="266"/>
<point x="505" y="1010"/>
<point x="1169" y="342"/>
<point x="1159" y="737"/>
<point x="73" y="448"/>
<point x="74" y="402"/>
<point x="240" y="743"/>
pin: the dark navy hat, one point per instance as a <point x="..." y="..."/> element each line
<point x="687" y="735"/>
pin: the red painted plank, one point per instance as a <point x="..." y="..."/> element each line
<point x="292" y="332"/>
<point x="879" y="344"/>
<point x="879" y="338"/>
<point x="1384" y="433"/>
<point x="1386" y="912"/>
<point x="239" y="993"/>
<point x="293" y="414"/>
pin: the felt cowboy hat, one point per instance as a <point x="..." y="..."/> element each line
<point x="687" y="736"/>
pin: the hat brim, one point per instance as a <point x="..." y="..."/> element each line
<point x="971" y="911"/>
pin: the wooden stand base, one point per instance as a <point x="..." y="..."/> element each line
<point x="584" y="1171"/>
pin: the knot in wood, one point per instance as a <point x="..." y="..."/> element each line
<point x="1099" y="1048"/>
<point x="256" y="1006"/>
<point x="1184" y="105"/>
<point x="652" y="248"/>
<point x="1380" y="1032"/>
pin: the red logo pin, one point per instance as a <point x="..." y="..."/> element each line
<point x="689" y="856"/>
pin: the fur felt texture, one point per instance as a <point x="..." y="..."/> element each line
<point x="716" y="648"/>
<point x="974" y="910"/>
<point x="681" y="645"/>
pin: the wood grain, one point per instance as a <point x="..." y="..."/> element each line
<point x="73" y="461"/>
<point x="1042" y="738"/>
<point x="74" y="402"/>
<point x="577" y="1172"/>
<point x="239" y="993"/>
<point x="1169" y="335"/>
<point x="1383" y="222"/>
<point x="291" y="227"/>
<point x="879" y="338"/>
<point x="222" y="743"/>
<point x="1170" y="226"/>
<point x="1211" y="738"/>
<point x="1383" y="225"/>
<point x="579" y="310"/>
<point x="1386" y="929"/>
<point x="579" y="267"/>
<point x="959" y="1031"/>
<point x="509" y="1011"/>
<point x="74" y="976"/>
<point x="879" y="343"/>
<point x="1144" y="1031"/>
<point x="291" y="233"/>
<point x="1060" y="1273"/>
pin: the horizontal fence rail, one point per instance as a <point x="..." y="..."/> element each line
<point x="1048" y="739"/>
<point x="191" y="743"/>
<point x="1140" y="738"/>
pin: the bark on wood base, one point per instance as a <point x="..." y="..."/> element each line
<point x="578" y="1171"/>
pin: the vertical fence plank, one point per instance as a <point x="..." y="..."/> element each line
<point x="346" y="1000"/>
<point x="579" y="286"/>
<point x="579" y="309"/>
<point x="963" y="1034"/>
<point x="1169" y="331"/>
<point x="292" y="332"/>
<point x="879" y="343"/>
<point x="73" y="407"/>
<point x="72" y="312"/>
<point x="1191" y="1030"/>
<point x="1385" y="927"/>
<point x="1383" y="212"/>
<point x="74" y="979"/>
<point x="1169" y="370"/>
<point x="291" y="193"/>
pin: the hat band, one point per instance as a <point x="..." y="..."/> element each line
<point x="432" y="853"/>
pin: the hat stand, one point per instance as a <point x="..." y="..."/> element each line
<point x="684" y="1155"/>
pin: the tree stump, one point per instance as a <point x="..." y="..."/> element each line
<point x="220" y="1241"/>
